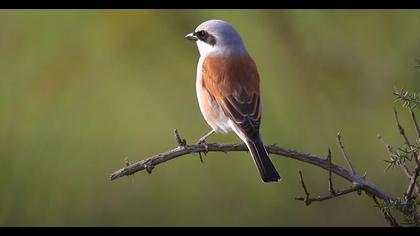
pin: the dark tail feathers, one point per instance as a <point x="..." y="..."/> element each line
<point x="266" y="168"/>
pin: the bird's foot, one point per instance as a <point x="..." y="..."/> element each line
<point x="202" y="141"/>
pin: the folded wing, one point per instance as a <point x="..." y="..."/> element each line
<point x="234" y="83"/>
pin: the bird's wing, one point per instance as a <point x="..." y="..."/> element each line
<point x="234" y="83"/>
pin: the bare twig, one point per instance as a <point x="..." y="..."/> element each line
<point x="309" y="200"/>
<point x="341" y="146"/>
<point x="181" y="142"/>
<point x="387" y="214"/>
<point x="402" y="131"/>
<point x="413" y="181"/>
<point x="330" y="184"/>
<point x="306" y="199"/>
<point x="273" y="149"/>
<point x="416" y="125"/>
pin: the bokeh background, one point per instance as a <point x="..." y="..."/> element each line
<point x="81" y="91"/>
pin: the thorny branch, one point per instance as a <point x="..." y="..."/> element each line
<point x="360" y="183"/>
<point x="415" y="174"/>
<point x="401" y="129"/>
<point x="330" y="184"/>
<point x="416" y="125"/>
<point x="333" y="193"/>
<point x="341" y="146"/>
<point x="387" y="214"/>
<point x="390" y="152"/>
<point x="355" y="188"/>
<point x="308" y="200"/>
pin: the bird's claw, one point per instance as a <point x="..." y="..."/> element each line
<point x="206" y="148"/>
<point x="201" y="141"/>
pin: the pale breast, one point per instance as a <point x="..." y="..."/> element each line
<point x="212" y="112"/>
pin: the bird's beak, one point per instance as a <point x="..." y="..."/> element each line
<point x="191" y="37"/>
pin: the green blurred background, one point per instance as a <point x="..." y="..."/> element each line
<point x="83" y="90"/>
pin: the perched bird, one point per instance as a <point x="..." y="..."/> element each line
<point x="228" y="90"/>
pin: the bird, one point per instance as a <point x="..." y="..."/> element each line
<point x="228" y="90"/>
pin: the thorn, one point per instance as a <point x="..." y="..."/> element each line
<point x="127" y="162"/>
<point x="364" y="175"/>
<point x="206" y="148"/>
<point x="201" y="158"/>
<point x="328" y="158"/>
<point x="181" y="142"/>
<point x="148" y="167"/>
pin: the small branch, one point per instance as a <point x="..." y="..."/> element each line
<point x="181" y="142"/>
<point x="416" y="125"/>
<point x="337" y="194"/>
<point x="306" y="199"/>
<point x="360" y="181"/>
<point x="341" y="146"/>
<point x="413" y="182"/>
<point x="387" y="214"/>
<point x="404" y="167"/>
<point x="330" y="184"/>
<point x="234" y="147"/>
<point x="402" y="131"/>
<point x="413" y="179"/>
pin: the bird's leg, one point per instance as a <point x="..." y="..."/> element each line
<point x="203" y="139"/>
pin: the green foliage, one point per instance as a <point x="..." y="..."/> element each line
<point x="408" y="100"/>
<point x="408" y="151"/>
<point x="401" y="155"/>
<point x="409" y="204"/>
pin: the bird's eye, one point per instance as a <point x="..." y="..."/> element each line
<point x="202" y="34"/>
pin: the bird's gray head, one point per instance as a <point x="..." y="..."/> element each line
<point x="216" y="37"/>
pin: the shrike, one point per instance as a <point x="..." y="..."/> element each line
<point x="228" y="90"/>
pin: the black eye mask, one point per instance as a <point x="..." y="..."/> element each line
<point x="205" y="37"/>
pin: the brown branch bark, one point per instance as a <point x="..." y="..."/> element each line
<point x="416" y="125"/>
<point x="341" y="146"/>
<point x="149" y="163"/>
<point x="413" y="181"/>
<point x="404" y="167"/>
<point x="416" y="172"/>
<point x="308" y="200"/>
<point x="387" y="215"/>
